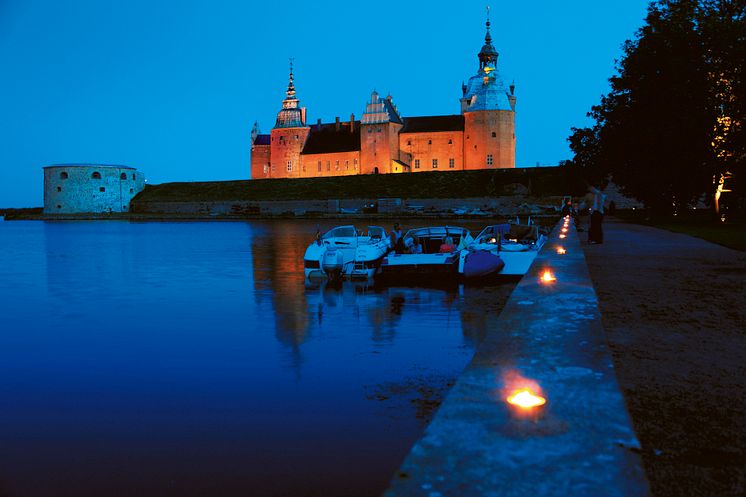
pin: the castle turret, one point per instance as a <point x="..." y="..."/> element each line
<point x="489" y="114"/>
<point x="289" y="135"/>
<point x="379" y="136"/>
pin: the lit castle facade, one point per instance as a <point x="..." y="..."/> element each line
<point x="382" y="141"/>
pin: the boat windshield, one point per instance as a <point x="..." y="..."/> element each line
<point x="376" y="233"/>
<point x="518" y="232"/>
<point x="491" y="234"/>
<point x="341" y="232"/>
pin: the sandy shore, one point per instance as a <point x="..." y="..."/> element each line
<point x="674" y="310"/>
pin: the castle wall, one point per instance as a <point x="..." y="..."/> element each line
<point x="260" y="161"/>
<point x="72" y="189"/>
<point x="441" y="146"/>
<point x="285" y="147"/>
<point x="330" y="164"/>
<point x="489" y="133"/>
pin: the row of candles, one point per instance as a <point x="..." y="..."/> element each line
<point x="525" y="398"/>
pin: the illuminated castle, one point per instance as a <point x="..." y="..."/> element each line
<point x="481" y="137"/>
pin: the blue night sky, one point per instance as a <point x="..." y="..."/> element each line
<point x="173" y="88"/>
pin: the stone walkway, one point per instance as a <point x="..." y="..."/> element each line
<point x="674" y="310"/>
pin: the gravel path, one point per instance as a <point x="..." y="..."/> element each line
<point x="674" y="310"/>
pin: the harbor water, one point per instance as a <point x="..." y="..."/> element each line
<point x="191" y="359"/>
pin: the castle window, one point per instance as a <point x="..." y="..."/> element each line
<point x="59" y="188"/>
<point x="134" y="176"/>
<point x="435" y="163"/>
<point x="102" y="189"/>
<point x="451" y="163"/>
<point x="296" y="137"/>
<point x="266" y="168"/>
<point x="347" y="165"/>
<point x="489" y="159"/>
<point x="450" y="142"/>
<point x="123" y="176"/>
<point x="328" y="165"/>
<point x="354" y="163"/>
<point x="318" y="166"/>
<point x="132" y="190"/>
<point x="290" y="165"/>
<point x="303" y="167"/>
<point x="96" y="175"/>
<point x="494" y="135"/>
<point x="336" y="165"/>
<point x="59" y="206"/>
<point x="417" y="163"/>
<point x="409" y="142"/>
<point x="63" y="175"/>
<point x="429" y="142"/>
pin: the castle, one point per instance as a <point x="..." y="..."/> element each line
<point x="481" y="137"/>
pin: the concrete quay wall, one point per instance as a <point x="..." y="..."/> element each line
<point x="506" y="205"/>
<point x="548" y="337"/>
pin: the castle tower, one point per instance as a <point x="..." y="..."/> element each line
<point x="489" y="114"/>
<point x="379" y="136"/>
<point x="288" y="136"/>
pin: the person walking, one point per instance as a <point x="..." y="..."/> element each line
<point x="595" y="231"/>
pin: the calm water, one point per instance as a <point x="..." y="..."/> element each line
<point x="189" y="359"/>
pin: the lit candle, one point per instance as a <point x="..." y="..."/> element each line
<point x="562" y="236"/>
<point x="561" y="251"/>
<point x="547" y="277"/>
<point x="526" y="399"/>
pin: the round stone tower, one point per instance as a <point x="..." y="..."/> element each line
<point x="90" y="188"/>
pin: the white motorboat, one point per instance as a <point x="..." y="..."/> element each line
<point x="343" y="252"/>
<point x="440" y="254"/>
<point x="516" y="244"/>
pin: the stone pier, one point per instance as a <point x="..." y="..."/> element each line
<point x="580" y="443"/>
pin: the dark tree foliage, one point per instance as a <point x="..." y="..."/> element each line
<point x="672" y="120"/>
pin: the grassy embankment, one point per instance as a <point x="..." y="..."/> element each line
<point x="455" y="184"/>
<point x="731" y="234"/>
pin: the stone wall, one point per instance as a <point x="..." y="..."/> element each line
<point x="507" y="206"/>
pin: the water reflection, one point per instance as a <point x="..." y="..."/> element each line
<point x="191" y="359"/>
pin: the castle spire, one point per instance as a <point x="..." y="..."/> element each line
<point x="488" y="37"/>
<point x="488" y="54"/>
<point x="291" y="87"/>
<point x="291" y="115"/>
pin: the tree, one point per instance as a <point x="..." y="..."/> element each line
<point x="655" y="130"/>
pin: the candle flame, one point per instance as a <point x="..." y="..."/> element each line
<point x="562" y="236"/>
<point x="547" y="277"/>
<point x="526" y="399"/>
<point x="561" y="251"/>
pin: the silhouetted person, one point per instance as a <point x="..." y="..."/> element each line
<point x="595" y="231"/>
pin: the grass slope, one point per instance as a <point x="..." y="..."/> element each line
<point x="454" y="184"/>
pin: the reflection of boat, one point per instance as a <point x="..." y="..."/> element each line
<point x="342" y="252"/>
<point x="444" y="257"/>
<point x="516" y="244"/>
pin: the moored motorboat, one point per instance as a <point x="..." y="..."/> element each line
<point x="516" y="244"/>
<point x="437" y="254"/>
<point x="343" y="252"/>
